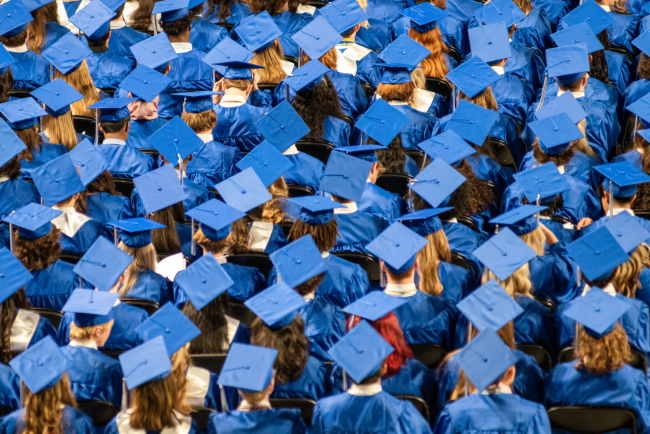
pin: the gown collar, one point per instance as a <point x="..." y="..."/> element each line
<point x="617" y="211"/>
<point x="220" y="259"/>
<point x="609" y="289"/>
<point x="70" y="221"/>
<point x="407" y="290"/>
<point x="20" y="49"/>
<point x="182" y="47"/>
<point x="347" y="60"/>
<point x="232" y="101"/>
<point x="309" y="297"/>
<point x="364" y="390"/>
<point x="291" y="150"/>
<point x="4" y="179"/>
<point x="232" y="326"/>
<point x="498" y="69"/>
<point x="259" y="236"/>
<point x="423" y="99"/>
<point x="287" y="67"/>
<point x="350" y="208"/>
<point x="23" y="330"/>
<point x="206" y="137"/>
<point x="575" y="94"/>
<point x="123" y="422"/>
<point x="83" y="343"/>
<point x="117" y="24"/>
<point x="324" y="254"/>
<point x="113" y="142"/>
<point x="198" y="386"/>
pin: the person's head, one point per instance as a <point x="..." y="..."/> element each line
<point x="273" y="210"/>
<point x="626" y="277"/>
<point x="217" y="245"/>
<point x="18" y="300"/>
<point x="81" y="80"/>
<point x="101" y="41"/>
<point x="429" y="258"/>
<point x="316" y="105"/>
<point x="405" y="275"/>
<point x="575" y="86"/>
<point x="328" y="59"/>
<point x="270" y="58"/>
<point x="141" y="17"/>
<point x="502" y="383"/>
<point x="6" y="84"/>
<point x="48" y="12"/>
<point x="221" y="7"/>
<point x="241" y="87"/>
<point x="643" y="70"/>
<point x="483" y="99"/>
<point x="271" y="6"/>
<point x="44" y="409"/>
<point x="403" y="92"/>
<point x="392" y="159"/>
<point x="39" y="253"/>
<point x="310" y="286"/>
<point x="118" y="129"/>
<point x="324" y="235"/>
<point x="166" y="240"/>
<point x="374" y="378"/>
<point x="211" y="320"/>
<point x="144" y="258"/>
<point x="179" y="28"/>
<point x="12" y="168"/>
<point x="16" y="40"/>
<point x="619" y="202"/>
<point x="517" y="284"/>
<point x="535" y="239"/>
<point x="435" y="64"/>
<point x="98" y="333"/>
<point x="258" y="397"/>
<point x="60" y="129"/>
<point x="201" y="123"/>
<point x="602" y="355"/>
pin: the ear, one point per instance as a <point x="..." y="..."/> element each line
<point x="100" y="127"/>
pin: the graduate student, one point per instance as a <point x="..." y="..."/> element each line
<point x="637" y="157"/>
<point x="204" y="34"/>
<point x="46" y="27"/>
<point x="122" y="37"/>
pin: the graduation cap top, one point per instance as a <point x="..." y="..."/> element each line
<point x="504" y="253"/>
<point x="103" y="264"/>
<point x="405" y="50"/>
<point x="33" y="220"/>
<point x="374" y="305"/>
<point x="90" y="307"/>
<point x="226" y="50"/>
<point x="597" y="311"/>
<point x="147" y="362"/>
<point x="448" y="146"/>
<point x="627" y="231"/>
<point x="642" y="42"/>
<point x="425" y="221"/>
<point x="343" y="15"/>
<point x="282" y="126"/>
<point x="13" y="274"/>
<point x="520" y="220"/>
<point x="317" y="38"/>
<point x="555" y="133"/>
<point x="397" y="246"/>
<point x="299" y="261"/>
<point x="490" y="307"/>
<point x="472" y="122"/>
<point x="545" y="182"/>
<point x="382" y="122"/>
<point x="578" y="34"/>
<point x="57" y="180"/>
<point x="316" y="210"/>
<point x="267" y="161"/>
<point x="57" y="96"/>
<point x="565" y="103"/>
<point x="248" y="368"/>
<point x="154" y="52"/>
<point x="307" y="76"/>
<point x="258" y="31"/>
<point x="170" y="323"/>
<point x="597" y="253"/>
<point x="67" y="53"/>
<point x="22" y="113"/>
<point x="175" y="141"/>
<point x="15" y="17"/>
<point x="159" y="189"/>
<point x="423" y="16"/>
<point x="12" y="145"/>
<point x="567" y="64"/>
<point x="197" y="102"/>
<point x="94" y="19"/>
<point x="216" y="218"/>
<point x="88" y="161"/>
<point x="364" y="152"/>
<point x="41" y="366"/>
<point x="113" y="109"/>
<point x="345" y="176"/>
<point x="145" y="83"/>
<point x="624" y="177"/>
<point x="498" y="11"/>
<point x="277" y="305"/>
<point x="203" y="281"/>
<point x="136" y="232"/>
<point x="237" y="70"/>
<point x="244" y="191"/>
<point x="473" y="76"/>
<point x="588" y="12"/>
<point x="437" y="182"/>
<point x="491" y="42"/>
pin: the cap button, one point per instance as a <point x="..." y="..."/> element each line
<point x="597" y="309"/>
<point x="345" y="176"/>
<point x="264" y="164"/>
<point x="8" y="15"/>
<point x="103" y="265"/>
<point x="490" y="43"/>
<point x="490" y="308"/>
<point x="471" y="122"/>
<point x="159" y="188"/>
<point x="589" y="19"/>
<point x="2" y="275"/>
<point x="298" y="261"/>
<point x="485" y="360"/>
<point x="473" y="75"/>
<point x="92" y="16"/>
<point x="56" y="179"/>
<point x="383" y="122"/>
<point x="167" y="331"/>
<point x="597" y="252"/>
<point x="203" y="281"/>
<point x="577" y="40"/>
<point x="153" y="51"/>
<point x="145" y="81"/>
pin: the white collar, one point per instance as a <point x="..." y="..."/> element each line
<point x="232" y="326"/>
<point x="347" y="61"/>
<point x="182" y="47"/>
<point x="608" y="289"/>
<point x="350" y="208"/>
<point x="617" y="211"/>
<point x="607" y="8"/>
<point x="23" y="330"/>
<point x="324" y="254"/>
<point x="232" y="100"/>
<point x="309" y="297"/>
<point x="305" y="9"/>
<point x="407" y="290"/>
<point x="259" y="236"/>
<point x="178" y="173"/>
<point x="423" y="99"/>
<point x="291" y="150"/>
<point x="183" y="424"/>
<point x="287" y="66"/>
<point x="117" y="24"/>
<point x="395" y="102"/>
<point x="498" y="69"/>
<point x="19" y="49"/>
<point x="206" y="137"/>
<point x="4" y="178"/>
<point x="113" y="142"/>
<point x="575" y="94"/>
<point x="82" y="343"/>
<point x="220" y="259"/>
<point x="364" y="390"/>
<point x="70" y="221"/>
<point x="451" y="220"/>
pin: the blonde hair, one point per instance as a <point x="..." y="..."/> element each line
<point x="60" y="129"/>
<point x="605" y="354"/>
<point x="484" y="99"/>
<point x="517" y="284"/>
<point x="86" y="333"/>
<point x="429" y="258"/>
<point x="43" y="409"/>
<point x="180" y="362"/>
<point x="435" y="64"/>
<point x="270" y="58"/>
<point x="535" y="240"/>
<point x="329" y="59"/>
<point x="273" y="210"/>
<point x="200" y="122"/>
<point x="81" y="80"/>
<point x="418" y="78"/>
<point x="626" y="276"/>
<point x="144" y="258"/>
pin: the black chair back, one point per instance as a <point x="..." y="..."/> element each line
<point x="316" y="4"/>
<point x="420" y="157"/>
<point x="291" y="59"/>
<point x="147" y="305"/>
<point x="369" y="263"/>
<point x="592" y="420"/>
<point x="101" y="412"/>
<point x="124" y="186"/>
<point x="349" y="120"/>
<point x="113" y="354"/>
<point x="394" y="182"/>
<point x="547" y="303"/>
<point x="318" y="150"/>
<point x="639" y="360"/>
<point x="227" y="26"/>
<point x="70" y="258"/>
<point x="110" y="92"/>
<point x="368" y="89"/>
<point x="642" y="213"/>
<point x="20" y="93"/>
<point x="623" y="51"/>
<point x="297" y="190"/>
<point x="286" y="228"/>
<point x="439" y="86"/>
<point x="419" y="404"/>
<point x="460" y="260"/>
<point x="86" y="125"/>
<point x="257" y="260"/>
<point x="53" y="316"/>
<point x="267" y="86"/>
<point x="239" y="311"/>
<point x="154" y="153"/>
<point x="5" y="411"/>
<point x="541" y="356"/>
<point x="469" y="223"/>
<point x="502" y="153"/>
<point x="211" y="362"/>
<point x="306" y="406"/>
<point x="202" y="417"/>
<point x="431" y="355"/>
<point x="454" y="54"/>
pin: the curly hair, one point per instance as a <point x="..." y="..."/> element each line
<point x="200" y="122"/>
<point x="40" y="253"/>
<point x="525" y="5"/>
<point x="323" y="235"/>
<point x="12" y="168"/>
<point x="560" y="159"/>
<point x="44" y="409"/>
<point x="435" y="64"/>
<point x="518" y="284"/>
<point x="315" y="105"/>
<point x="643" y="70"/>
<point x="429" y="259"/>
<point x="166" y="240"/>
<point x="48" y="12"/>
<point x="211" y="320"/>
<point x="607" y="354"/>
<point x="271" y="6"/>
<point x="292" y="346"/>
<point x="553" y="207"/>
<point x="626" y="276"/>
<point x="642" y="200"/>
<point x="224" y="9"/>
<point x="6" y="84"/>
<point x="311" y="285"/>
<point x="18" y="300"/>
<point x="393" y="159"/>
<point x="102" y="184"/>
<point x="32" y="140"/>
<point x="599" y="69"/>
<point x="177" y="27"/>
<point x="270" y="58"/>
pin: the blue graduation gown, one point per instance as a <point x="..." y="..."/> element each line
<point x="85" y="237"/>
<point x="457" y="282"/>
<point x="314" y="383"/>
<point x="140" y="130"/>
<point x="619" y="69"/>
<point x="336" y="131"/>
<point x="188" y="72"/>
<point x="248" y="281"/>
<point x="126" y="162"/>
<point x="512" y="96"/>
<point x="195" y="194"/>
<point x="204" y="35"/>
<point x="324" y="326"/>
<point x="9" y="388"/>
<point x="105" y="208"/>
<point x="380" y="203"/>
<point x="94" y="376"/>
<point x="53" y="32"/>
<point x="580" y="167"/>
<point x="527" y="63"/>
<point x="46" y="153"/>
<point x="123" y="39"/>
<point x="151" y="286"/>
<point x="236" y="126"/>
<point x="14" y="194"/>
<point x="419" y="128"/>
<point x="555" y="9"/>
<point x="238" y="11"/>
<point x="52" y="286"/>
<point x="43" y="329"/>
<point x="306" y="170"/>
<point x="633" y="157"/>
<point x="271" y="421"/>
<point x="487" y="169"/>
<point x="108" y="69"/>
<point x="357" y="230"/>
<point x="377" y="414"/>
<point x="534" y="30"/>
<point x="212" y="163"/>
<point x="30" y="71"/>
<point x="463" y="240"/>
<point x="555" y="276"/>
<point x="636" y="90"/>
<point x="73" y="422"/>
<point x="504" y="413"/>
<point x="193" y="428"/>
<point x="377" y="36"/>
<point x="387" y="10"/>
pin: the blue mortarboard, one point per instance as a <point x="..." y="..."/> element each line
<point x="175" y="140"/>
<point x="203" y="281"/>
<point x="103" y="264"/>
<point x="90" y="307"/>
<point x="397" y="246"/>
<point x="486" y="359"/>
<point x="67" y="53"/>
<point x="374" y="305"/>
<point x="382" y="122"/>
<point x="41" y="366"/>
<point x="567" y="64"/>
<point x="57" y="96"/>
<point x="113" y="109"/>
<point x="226" y="50"/>
<point x="642" y="42"/>
<point x="57" y="180"/>
<point x="307" y="76"/>
<point x="645" y="134"/>
<point x="299" y="261"/>
<point x="544" y="181"/>
<point x="490" y="307"/>
<point x="33" y="220"/>
<point x="170" y="323"/>
<point x="32" y="5"/>
<point x="136" y="232"/>
<point x="597" y="311"/>
<point x="236" y="70"/>
<point x="173" y="10"/>
<point x="405" y="50"/>
<point x="159" y="189"/>
<point x="591" y="13"/>
<point x="216" y="218"/>
<point x="22" y="113"/>
<point x="423" y="16"/>
<point x="154" y="52"/>
<point x="15" y="17"/>
<point x="520" y="220"/>
<point x="504" y="253"/>
<point x="345" y="176"/>
<point x="12" y="145"/>
<point x="363" y="152"/>
<point x="197" y="102"/>
<point x="244" y="191"/>
<point x="114" y="4"/>
<point x="277" y="305"/>
<point x="425" y="221"/>
<point x="448" y="146"/>
<point x="316" y="210"/>
<point x="555" y="133"/>
<point x="146" y="362"/>
<point x="436" y="182"/>
<point x="5" y="59"/>
<point x="565" y="103"/>
<point x="395" y="73"/>
<point x="248" y="368"/>
<point x="282" y="126"/>
<point x="491" y="43"/>
<point x="641" y="108"/>
<point x="500" y="11"/>
<point x="93" y="19"/>
<point x="258" y="31"/>
<point x="13" y="274"/>
<point x="145" y="83"/>
<point x="578" y="34"/>
<point x="627" y="231"/>
<point x="472" y="122"/>
<point x="646" y="8"/>
<point x="597" y="254"/>
<point x="268" y="162"/>
<point x="317" y="38"/>
<point x="361" y="352"/>
<point x="343" y="15"/>
<point x="473" y="76"/>
<point x="624" y="176"/>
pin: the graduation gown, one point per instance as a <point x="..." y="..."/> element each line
<point x="46" y="153"/>
<point x="314" y="383"/>
<point x="236" y="126"/>
<point x="419" y="128"/>
<point x="52" y="286"/>
<point x="555" y="10"/>
<point x="140" y="130"/>
<point x="512" y="96"/>
<point x="271" y="421"/>
<point x="120" y="425"/>
<point x="212" y="163"/>
<point x="359" y="61"/>
<point x="580" y="167"/>
<point x="356" y="231"/>
<point x="151" y="286"/>
<point x="554" y="276"/>
<point x="487" y="169"/>
<point x="289" y="24"/>
<point x="107" y="69"/>
<point x="534" y="30"/>
<point x="306" y="170"/>
<point x="528" y="64"/>
<point x="14" y="194"/>
<point x="238" y="11"/>
<point x="457" y="282"/>
<point x="633" y="157"/>
<point x="380" y="203"/>
<point x="126" y="162"/>
<point x="204" y="35"/>
<point x="643" y="293"/>
<point x="28" y="328"/>
<point x="30" y="71"/>
<point x="84" y="237"/>
<point x="105" y="208"/>
<point x="188" y="72"/>
<point x="377" y="36"/>
<point x="324" y="326"/>
<point x="387" y="10"/>
<point x="9" y="388"/>
<point x="73" y="422"/>
<point x="337" y="131"/>
<point x="123" y="39"/>
<point x="619" y="69"/>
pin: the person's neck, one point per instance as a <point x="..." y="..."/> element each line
<point x="283" y="8"/>
<point x="66" y="203"/>
<point x="236" y="92"/>
<point x="183" y="37"/>
<point x="204" y="132"/>
<point x="118" y="18"/>
<point x="351" y="38"/>
<point x="640" y="150"/>
<point x="581" y="89"/>
<point x="118" y="136"/>
<point x="215" y="254"/>
<point x="409" y="280"/>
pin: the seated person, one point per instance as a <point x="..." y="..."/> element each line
<point x="122" y="37"/>
<point x="204" y="34"/>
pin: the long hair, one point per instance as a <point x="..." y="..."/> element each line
<point x="323" y="235"/>
<point x="166" y="240"/>
<point x="224" y="9"/>
<point x="315" y="105"/>
<point x="518" y="284"/>
<point x="273" y="210"/>
<point x="18" y="300"/>
<point x="626" y="276"/>
<point x="329" y="59"/>
<point x="560" y="159"/>
<point x="271" y="6"/>
<point x="535" y="240"/>
<point x="32" y="140"/>
<point x="141" y="18"/>
<point x="6" y="84"/>
<point x="392" y="159"/>
<point x="525" y="5"/>
<point x="49" y="12"/>
<point x="81" y="80"/>
<point x="643" y="70"/>
<point x="404" y="92"/>
<point x="211" y="320"/>
<point x="607" y="354"/>
<point x="144" y="258"/>
<point x="40" y="253"/>
<point x="270" y="58"/>
<point x="43" y="410"/>
<point x="642" y="200"/>
<point x="599" y="69"/>
<point x="60" y="129"/>
<point x="12" y="168"/>
<point x="435" y="64"/>
<point x="429" y="258"/>
<point x="102" y="184"/>
<point x="484" y="99"/>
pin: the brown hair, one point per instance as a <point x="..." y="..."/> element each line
<point x="49" y="12"/>
<point x="392" y="159"/>
<point x="60" y="129"/>
<point x="43" y="412"/>
<point x="180" y="362"/>
<point x="86" y="333"/>
<point x="643" y="70"/>
<point x="144" y="258"/>
<point x="324" y="235"/>
<point x="166" y="240"/>
<point x="31" y="139"/>
<point x="642" y="200"/>
<point x="403" y="92"/>
<point x="81" y="80"/>
<point x="517" y="284"/>
<point x="311" y="285"/>
<point x="224" y="9"/>
<point x="600" y="356"/>
<point x="559" y="159"/>
<point x="241" y="84"/>
<point x="211" y="320"/>
<point x="271" y="6"/>
<point x="102" y="184"/>
<point x="200" y="122"/>
<point x="525" y="5"/>
<point x="18" y="300"/>
<point x="114" y="127"/>
<point x="484" y="99"/>
<point x="273" y="210"/>
<point x="210" y="245"/>
<point x="429" y="258"/>
<point x="177" y="27"/>
<point x="315" y="105"/>
<point x="329" y="59"/>
<point x="374" y="377"/>
<point x="40" y="253"/>
<point x="154" y="403"/>
<point x="12" y="168"/>
<point x="6" y="84"/>
<point x="141" y="17"/>
<point x="626" y="276"/>
<point x="571" y="87"/>
<point x="270" y="58"/>
<point x="15" y="40"/>
<point x="435" y="64"/>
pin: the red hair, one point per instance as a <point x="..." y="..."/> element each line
<point x="388" y="327"/>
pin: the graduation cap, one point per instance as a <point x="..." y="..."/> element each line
<point x="258" y="31"/>
<point x="12" y="145"/>
<point x="173" y="10"/>
<point x="597" y="254"/>
<point x="299" y="261"/>
<point x="397" y="246"/>
<point x="489" y="307"/>
<point x="491" y="43"/>
<point x="624" y="178"/>
<point x="146" y="362"/>
<point x="277" y="305"/>
<point x="93" y="19"/>
<point x="136" y="232"/>
<point x="113" y="109"/>
<point x="565" y="103"/>
<point x="244" y="191"/>
<point x="555" y="133"/>
<point x="226" y="50"/>
<point x="345" y="176"/>
<point x="239" y="70"/>
<point x="425" y="221"/>
<point x="486" y="359"/>
<point x="57" y="96"/>
<point x="520" y="220"/>
<point x="498" y="11"/>
<point x="22" y="113"/>
<point x="32" y="5"/>
<point x="361" y="352"/>
<point x="436" y="182"/>
<point x="395" y="73"/>
<point x="504" y="253"/>
<point x="317" y="38"/>
<point x="15" y="17"/>
<point x="103" y="264"/>
<point x="472" y="122"/>
<point x="159" y="189"/>
<point x="591" y="13"/>
<point x="145" y="83"/>
<point x="627" y="231"/>
<point x="90" y="307"/>
<point x="13" y="274"/>
<point x="203" y="281"/>
<point x="597" y="311"/>
<point x="57" y="180"/>
<point x="567" y="64"/>
<point x="33" y="220"/>
<point x="382" y="122"/>
<point x="423" y="16"/>
<point x="374" y="305"/>
<point x="154" y="52"/>
<point x="216" y="218"/>
<point x="5" y="59"/>
<point x="170" y="323"/>
<point x="363" y="152"/>
<point x="641" y="108"/>
<point x="267" y="161"/>
<point x="307" y="76"/>
<point x="282" y="126"/>
<point x="41" y="366"/>
<point x="176" y="141"/>
<point x="448" y="146"/>
<point x="248" y="368"/>
<point x="316" y="210"/>
<point x="544" y="182"/>
<point x="405" y="50"/>
<point x="197" y="102"/>
<point x="642" y="42"/>
<point x="473" y="76"/>
<point x="66" y="54"/>
<point x="343" y="15"/>
<point x="578" y="34"/>
<point x="114" y="5"/>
